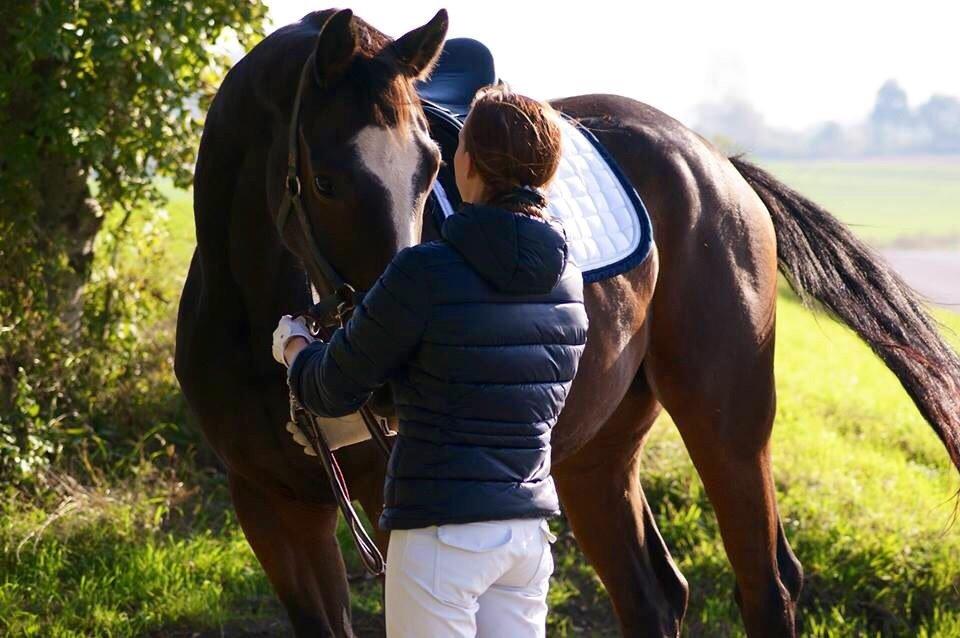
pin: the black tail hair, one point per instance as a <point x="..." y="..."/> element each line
<point x="824" y="261"/>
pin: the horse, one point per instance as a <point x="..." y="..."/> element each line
<point x="689" y="330"/>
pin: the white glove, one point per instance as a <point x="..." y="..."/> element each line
<point x="287" y="329"/>
<point x="301" y="439"/>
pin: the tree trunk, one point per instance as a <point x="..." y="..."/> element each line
<point x="67" y="210"/>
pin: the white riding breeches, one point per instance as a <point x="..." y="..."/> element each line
<point x="486" y="579"/>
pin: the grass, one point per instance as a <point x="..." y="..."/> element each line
<point x="864" y="487"/>
<point x="906" y="202"/>
<point x="863" y="484"/>
<point x="180" y="225"/>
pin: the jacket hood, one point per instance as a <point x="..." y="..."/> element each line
<point x="514" y="252"/>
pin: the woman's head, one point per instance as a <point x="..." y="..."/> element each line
<point x="509" y="141"/>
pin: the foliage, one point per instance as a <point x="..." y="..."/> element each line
<point x="934" y="127"/>
<point x="864" y="490"/>
<point x="122" y="561"/>
<point x="117" y="85"/>
<point x="113" y="524"/>
<point x="98" y="387"/>
<point x="146" y="544"/>
<point x="108" y="94"/>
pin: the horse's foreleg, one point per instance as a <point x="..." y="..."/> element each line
<point x="296" y="544"/>
<point x="600" y="492"/>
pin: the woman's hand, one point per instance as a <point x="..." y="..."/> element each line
<point x="290" y="337"/>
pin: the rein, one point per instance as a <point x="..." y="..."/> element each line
<point x="325" y="316"/>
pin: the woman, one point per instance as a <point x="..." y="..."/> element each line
<point x="479" y="335"/>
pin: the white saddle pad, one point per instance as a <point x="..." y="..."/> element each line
<point x="607" y="227"/>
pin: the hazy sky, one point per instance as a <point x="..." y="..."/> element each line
<point x="798" y="63"/>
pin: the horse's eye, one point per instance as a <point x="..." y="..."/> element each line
<point x="324" y="186"/>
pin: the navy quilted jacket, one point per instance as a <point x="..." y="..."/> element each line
<point x="479" y="334"/>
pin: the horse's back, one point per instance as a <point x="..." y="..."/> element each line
<point x="706" y="217"/>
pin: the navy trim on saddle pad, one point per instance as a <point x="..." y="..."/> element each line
<point x="439" y="116"/>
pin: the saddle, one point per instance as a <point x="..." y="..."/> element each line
<point x="608" y="228"/>
<point x="464" y="67"/>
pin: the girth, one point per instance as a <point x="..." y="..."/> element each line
<point x="326" y="315"/>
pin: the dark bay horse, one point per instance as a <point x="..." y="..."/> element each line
<point x="691" y="330"/>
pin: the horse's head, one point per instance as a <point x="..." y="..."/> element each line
<point x="365" y="159"/>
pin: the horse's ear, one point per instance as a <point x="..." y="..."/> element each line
<point x="416" y="52"/>
<point x="336" y="46"/>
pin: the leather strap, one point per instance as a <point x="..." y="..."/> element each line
<point x="339" y="303"/>
<point x="293" y="191"/>
<point x="379" y="431"/>
<point x="369" y="552"/>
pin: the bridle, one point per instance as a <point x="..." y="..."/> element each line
<point x="325" y="316"/>
<point x="341" y="295"/>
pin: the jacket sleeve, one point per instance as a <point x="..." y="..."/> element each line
<point x="336" y="378"/>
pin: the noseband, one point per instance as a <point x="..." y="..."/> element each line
<point x="331" y="311"/>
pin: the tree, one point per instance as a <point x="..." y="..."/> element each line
<point x="828" y="140"/>
<point x="103" y="89"/>
<point x="97" y="99"/>
<point x="891" y="106"/>
<point x="940" y="116"/>
<point x="891" y="124"/>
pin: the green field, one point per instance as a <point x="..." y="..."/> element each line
<point x="914" y="203"/>
<point x="180" y="225"/>
<point x="865" y="491"/>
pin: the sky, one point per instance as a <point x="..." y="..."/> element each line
<point x="798" y="63"/>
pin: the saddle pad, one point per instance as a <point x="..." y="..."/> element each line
<point x="607" y="225"/>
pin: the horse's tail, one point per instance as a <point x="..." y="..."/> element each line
<point x="824" y="261"/>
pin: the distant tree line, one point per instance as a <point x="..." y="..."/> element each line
<point x="891" y="128"/>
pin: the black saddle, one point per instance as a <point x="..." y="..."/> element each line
<point x="465" y="65"/>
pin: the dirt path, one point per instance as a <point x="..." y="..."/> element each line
<point x="935" y="274"/>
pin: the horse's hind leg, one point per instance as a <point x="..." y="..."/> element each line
<point x="296" y="544"/>
<point x="722" y="399"/>
<point x="600" y="491"/>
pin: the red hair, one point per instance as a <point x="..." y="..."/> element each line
<point x="514" y="143"/>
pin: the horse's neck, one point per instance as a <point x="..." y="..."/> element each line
<point x="249" y="279"/>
